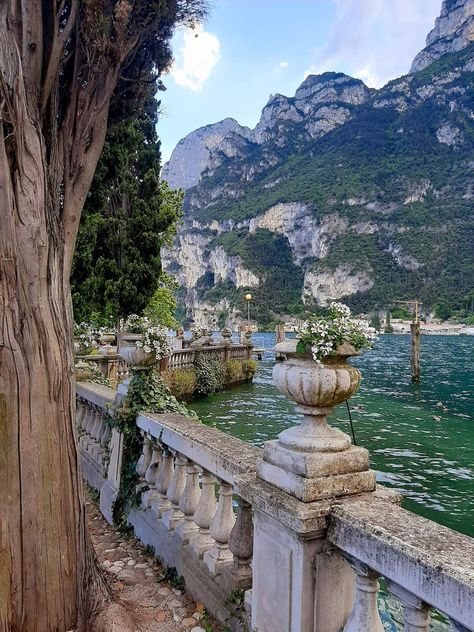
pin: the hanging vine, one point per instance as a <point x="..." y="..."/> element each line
<point x="147" y="392"/>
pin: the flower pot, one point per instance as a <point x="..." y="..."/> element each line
<point x="134" y="356"/>
<point x="316" y="389"/>
<point x="106" y="348"/>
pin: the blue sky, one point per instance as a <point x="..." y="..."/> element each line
<point x="249" y="49"/>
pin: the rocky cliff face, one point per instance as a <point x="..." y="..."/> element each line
<point x="321" y="103"/>
<point x="453" y="31"/>
<point x="191" y="155"/>
<point x="340" y="192"/>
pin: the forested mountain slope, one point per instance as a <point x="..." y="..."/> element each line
<point x="343" y="192"/>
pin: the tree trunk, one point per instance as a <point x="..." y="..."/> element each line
<point x="45" y="550"/>
<point x="59" y="66"/>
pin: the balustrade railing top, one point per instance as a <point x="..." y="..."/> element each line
<point x="424" y="559"/>
<point x="96" y="394"/>
<point x="224" y="456"/>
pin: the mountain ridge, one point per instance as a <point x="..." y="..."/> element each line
<point x="356" y="194"/>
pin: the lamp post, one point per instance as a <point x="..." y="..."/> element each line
<point x="248" y="298"/>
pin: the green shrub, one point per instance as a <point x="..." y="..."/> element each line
<point x="249" y="368"/>
<point x="234" y="371"/>
<point x="181" y="382"/>
<point x="210" y="375"/>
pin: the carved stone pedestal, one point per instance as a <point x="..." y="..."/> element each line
<point x="314" y="461"/>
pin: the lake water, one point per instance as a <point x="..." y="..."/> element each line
<point x="430" y="462"/>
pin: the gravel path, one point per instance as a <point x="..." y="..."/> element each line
<point x="138" y="582"/>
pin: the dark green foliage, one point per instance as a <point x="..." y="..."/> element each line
<point x="375" y="321"/>
<point x="443" y="311"/>
<point x="401" y="313"/>
<point x="388" y="325"/>
<point x="171" y="575"/>
<point x="128" y="216"/>
<point x="210" y="375"/>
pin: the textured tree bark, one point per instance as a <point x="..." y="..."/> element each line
<point x="45" y="551"/>
<point x="59" y="66"/>
<point x="48" y="577"/>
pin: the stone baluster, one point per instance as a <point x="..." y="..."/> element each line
<point x="96" y="430"/>
<point x="204" y="514"/>
<point x="175" y="490"/>
<point x="94" y="448"/>
<point x="241" y="545"/>
<point x="221" y="526"/>
<point x="79" y="413"/>
<point x="150" y="477"/>
<point x="106" y="435"/>
<point x="89" y="418"/>
<point x="84" y="414"/>
<point x="145" y="457"/>
<point x="364" y="615"/>
<point x="165" y="473"/>
<point x="188" y="504"/>
<point x="416" y="614"/>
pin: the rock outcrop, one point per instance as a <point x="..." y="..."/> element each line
<point x="191" y="155"/>
<point x="453" y="31"/>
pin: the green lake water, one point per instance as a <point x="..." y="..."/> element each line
<point x="430" y="462"/>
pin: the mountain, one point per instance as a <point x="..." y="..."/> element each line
<point x="191" y="155"/>
<point x="340" y="192"/>
<point x="453" y="31"/>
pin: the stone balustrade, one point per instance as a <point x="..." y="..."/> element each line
<point x="94" y="433"/>
<point x="116" y="369"/>
<point x="182" y="358"/>
<point x="189" y="512"/>
<point x="309" y="549"/>
<point x="424" y="565"/>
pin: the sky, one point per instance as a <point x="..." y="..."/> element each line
<point x="249" y="49"/>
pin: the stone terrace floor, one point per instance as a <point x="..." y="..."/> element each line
<point x="155" y="601"/>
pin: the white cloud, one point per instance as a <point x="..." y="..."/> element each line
<point x="199" y="53"/>
<point x="283" y="65"/>
<point x="376" y="40"/>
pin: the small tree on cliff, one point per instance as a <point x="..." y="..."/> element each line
<point x="60" y="62"/>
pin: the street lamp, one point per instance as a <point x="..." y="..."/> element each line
<point x="248" y="298"/>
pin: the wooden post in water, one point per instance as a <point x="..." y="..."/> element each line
<point x="415" y="340"/>
<point x="279" y="337"/>
<point x="280" y="333"/>
<point x="415" y="351"/>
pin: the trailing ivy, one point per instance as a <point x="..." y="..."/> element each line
<point x="146" y="393"/>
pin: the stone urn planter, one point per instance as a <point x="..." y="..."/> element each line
<point x="315" y="389"/>
<point x="314" y="461"/>
<point x="134" y="356"/>
<point x="106" y="347"/>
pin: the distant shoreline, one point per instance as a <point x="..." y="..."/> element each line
<point x="403" y="327"/>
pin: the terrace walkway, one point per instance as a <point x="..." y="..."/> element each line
<point x="137" y="581"/>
